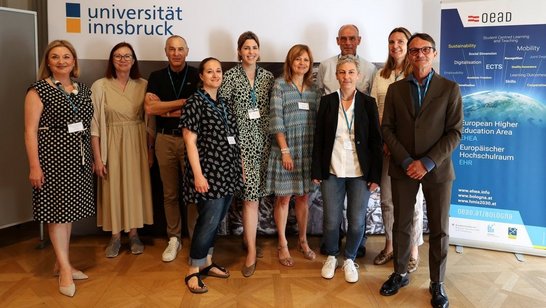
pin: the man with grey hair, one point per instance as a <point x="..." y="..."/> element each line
<point x="167" y="91"/>
<point x="422" y="126"/>
<point x="348" y="39"/>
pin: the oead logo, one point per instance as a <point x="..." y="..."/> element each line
<point x="490" y="17"/>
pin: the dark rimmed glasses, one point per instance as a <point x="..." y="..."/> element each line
<point x="425" y="50"/>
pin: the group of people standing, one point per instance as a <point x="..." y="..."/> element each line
<point x="245" y="134"/>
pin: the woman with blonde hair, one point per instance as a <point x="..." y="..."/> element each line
<point x="58" y="112"/>
<point x="397" y="67"/>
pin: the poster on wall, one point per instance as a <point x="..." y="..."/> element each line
<point x="496" y="52"/>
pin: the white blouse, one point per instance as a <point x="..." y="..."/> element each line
<point x="344" y="162"/>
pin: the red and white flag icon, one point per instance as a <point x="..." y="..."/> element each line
<point x="473" y="18"/>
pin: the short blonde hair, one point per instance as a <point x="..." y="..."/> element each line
<point x="348" y="59"/>
<point x="44" y="70"/>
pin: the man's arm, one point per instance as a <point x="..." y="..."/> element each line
<point x="154" y="106"/>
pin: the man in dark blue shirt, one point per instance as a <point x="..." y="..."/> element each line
<point x="167" y="92"/>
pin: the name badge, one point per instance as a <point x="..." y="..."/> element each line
<point x="254" y="113"/>
<point x="231" y="140"/>
<point x="75" y="127"/>
<point x="348" y="145"/>
<point x="303" y="106"/>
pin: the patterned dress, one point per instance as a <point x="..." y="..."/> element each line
<point x="65" y="158"/>
<point x="298" y="126"/>
<point x="220" y="161"/>
<point x="253" y="133"/>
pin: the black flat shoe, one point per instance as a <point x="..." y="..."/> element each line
<point x="202" y="287"/>
<point x="439" y="295"/>
<point x="393" y="284"/>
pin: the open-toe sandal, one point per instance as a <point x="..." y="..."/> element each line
<point x="207" y="271"/>
<point x="307" y="254"/>
<point x="202" y="287"/>
<point x="288" y="261"/>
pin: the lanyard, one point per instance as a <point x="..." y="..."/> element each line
<point x="222" y="113"/>
<point x="429" y="77"/>
<point x="253" y="96"/>
<point x="59" y="86"/>
<point x="177" y="93"/>
<point x="349" y="124"/>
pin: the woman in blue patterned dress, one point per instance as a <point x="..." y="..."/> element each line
<point x="246" y="88"/>
<point x="294" y="104"/>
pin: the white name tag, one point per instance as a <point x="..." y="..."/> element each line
<point x="303" y="106"/>
<point x="254" y="113"/>
<point x="231" y="140"/>
<point x="348" y="145"/>
<point x="75" y="127"/>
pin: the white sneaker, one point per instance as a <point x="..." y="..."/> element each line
<point x="350" y="270"/>
<point x="172" y="250"/>
<point x="329" y="267"/>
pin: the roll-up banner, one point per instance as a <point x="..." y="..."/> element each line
<point x="496" y="52"/>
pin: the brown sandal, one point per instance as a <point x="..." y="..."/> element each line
<point x="309" y="254"/>
<point x="382" y="258"/>
<point x="288" y="261"/>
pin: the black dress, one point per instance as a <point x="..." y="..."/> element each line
<point x="65" y="158"/>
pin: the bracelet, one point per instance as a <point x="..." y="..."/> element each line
<point x="285" y="151"/>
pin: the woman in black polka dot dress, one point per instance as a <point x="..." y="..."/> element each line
<point x="58" y="113"/>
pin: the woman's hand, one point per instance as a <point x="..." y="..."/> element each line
<point x="317" y="182"/>
<point x="287" y="162"/>
<point x="100" y="169"/>
<point x="36" y="177"/>
<point x="201" y="184"/>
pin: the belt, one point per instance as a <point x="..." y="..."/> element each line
<point x="177" y="132"/>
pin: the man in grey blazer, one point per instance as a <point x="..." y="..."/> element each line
<point x="422" y="125"/>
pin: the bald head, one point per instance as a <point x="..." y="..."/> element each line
<point x="348" y="39"/>
<point x="176" y="51"/>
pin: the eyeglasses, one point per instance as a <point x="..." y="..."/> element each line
<point x="425" y="50"/>
<point x="124" y="57"/>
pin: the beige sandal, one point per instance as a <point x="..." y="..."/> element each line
<point x="382" y="258"/>
<point x="288" y="261"/>
<point x="309" y="254"/>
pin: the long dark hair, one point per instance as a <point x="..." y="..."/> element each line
<point x="111" y="70"/>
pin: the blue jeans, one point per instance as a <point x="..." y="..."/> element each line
<point x="333" y="192"/>
<point x="211" y="213"/>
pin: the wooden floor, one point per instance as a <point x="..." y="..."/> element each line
<point x="476" y="278"/>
